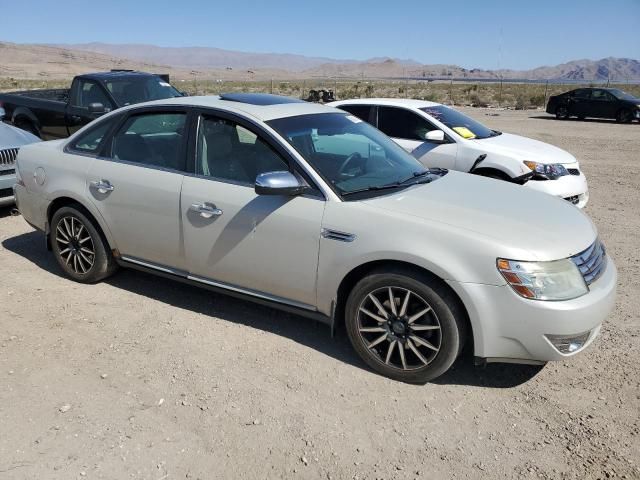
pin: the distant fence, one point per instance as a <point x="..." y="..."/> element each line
<point x="511" y="94"/>
<point x="518" y="94"/>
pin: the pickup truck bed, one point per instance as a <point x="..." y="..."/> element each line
<point x="57" y="95"/>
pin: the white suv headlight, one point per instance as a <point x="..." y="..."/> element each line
<point x="555" y="280"/>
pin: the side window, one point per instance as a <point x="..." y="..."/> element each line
<point x="229" y="152"/>
<point x="89" y="92"/>
<point x="602" y="95"/>
<point x="401" y="123"/>
<point x="153" y="139"/>
<point x="90" y="141"/>
<point x="582" y="93"/>
<point x="360" y="111"/>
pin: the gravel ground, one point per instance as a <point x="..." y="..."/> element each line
<point x="143" y="378"/>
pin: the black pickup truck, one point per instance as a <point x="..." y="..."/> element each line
<point x="52" y="114"/>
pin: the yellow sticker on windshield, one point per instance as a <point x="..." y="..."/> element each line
<point x="464" y="132"/>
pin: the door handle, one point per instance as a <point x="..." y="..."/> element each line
<point x="103" y="186"/>
<point x="206" y="210"/>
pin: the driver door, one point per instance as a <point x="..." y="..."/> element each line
<point x="408" y="130"/>
<point x="263" y="245"/>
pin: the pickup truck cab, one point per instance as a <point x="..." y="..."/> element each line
<point x="57" y="113"/>
<point x="440" y="136"/>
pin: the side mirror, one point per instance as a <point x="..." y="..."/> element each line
<point x="96" y="108"/>
<point x="279" y="183"/>
<point x="2" y="113"/>
<point x="435" y="136"/>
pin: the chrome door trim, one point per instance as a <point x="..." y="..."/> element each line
<point x="152" y="265"/>
<point x="251" y="293"/>
<point x="220" y="285"/>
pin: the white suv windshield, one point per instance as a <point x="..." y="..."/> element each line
<point x="349" y="153"/>
<point x="464" y="126"/>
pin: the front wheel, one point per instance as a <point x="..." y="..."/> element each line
<point x="404" y="325"/>
<point x="79" y="248"/>
<point x="624" y="116"/>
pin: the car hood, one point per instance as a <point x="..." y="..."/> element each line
<point x="515" y="218"/>
<point x="523" y="148"/>
<point x="12" y="137"/>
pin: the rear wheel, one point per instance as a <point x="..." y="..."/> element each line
<point x="79" y="247"/>
<point x="27" y="126"/>
<point x="404" y="325"/>
<point x="624" y="116"/>
<point x="562" y="112"/>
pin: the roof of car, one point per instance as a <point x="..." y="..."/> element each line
<point x="394" y="102"/>
<point x="263" y="108"/>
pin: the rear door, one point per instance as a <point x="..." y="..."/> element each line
<point x="580" y="103"/>
<point x="408" y="129"/>
<point x="135" y="185"/>
<point x="258" y="244"/>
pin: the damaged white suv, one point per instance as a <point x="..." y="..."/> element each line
<point x="440" y="136"/>
<point x="309" y="209"/>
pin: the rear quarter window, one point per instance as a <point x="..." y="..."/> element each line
<point x="91" y="141"/>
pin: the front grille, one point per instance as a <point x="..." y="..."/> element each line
<point x="6" y="192"/>
<point x="10" y="171"/>
<point x="591" y="262"/>
<point x="573" y="171"/>
<point x="8" y="156"/>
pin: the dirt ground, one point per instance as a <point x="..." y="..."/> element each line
<point x="143" y="378"/>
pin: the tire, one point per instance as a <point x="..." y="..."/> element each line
<point x="624" y="116"/>
<point x="562" y="112"/>
<point x="27" y="127"/>
<point x="79" y="247"/>
<point x="387" y="341"/>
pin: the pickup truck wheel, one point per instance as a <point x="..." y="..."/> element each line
<point x="79" y="248"/>
<point x="404" y="325"/>
<point x="624" y="116"/>
<point x="27" y="127"/>
<point x="562" y="113"/>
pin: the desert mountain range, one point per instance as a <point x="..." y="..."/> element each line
<point x="60" y="61"/>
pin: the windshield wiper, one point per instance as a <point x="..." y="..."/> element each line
<point x="399" y="183"/>
<point x="414" y="175"/>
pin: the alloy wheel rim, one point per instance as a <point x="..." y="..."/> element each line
<point x="399" y="328"/>
<point x="75" y="245"/>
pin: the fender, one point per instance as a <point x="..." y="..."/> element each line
<point x="95" y="213"/>
<point x="517" y="171"/>
<point x="25" y="112"/>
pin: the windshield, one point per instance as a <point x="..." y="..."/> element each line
<point x="349" y="153"/>
<point x="622" y="95"/>
<point x="464" y="126"/>
<point x="130" y="90"/>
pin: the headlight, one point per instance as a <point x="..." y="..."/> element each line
<point x="556" y="280"/>
<point x="547" y="171"/>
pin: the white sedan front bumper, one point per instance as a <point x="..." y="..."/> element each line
<point x="572" y="188"/>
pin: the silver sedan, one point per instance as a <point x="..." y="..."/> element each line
<point x="307" y="208"/>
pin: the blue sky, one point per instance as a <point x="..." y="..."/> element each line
<point x="486" y="34"/>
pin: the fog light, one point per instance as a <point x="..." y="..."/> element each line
<point x="568" y="343"/>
